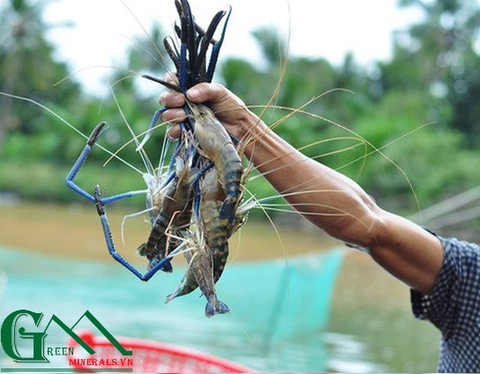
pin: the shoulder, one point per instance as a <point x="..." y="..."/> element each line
<point x="461" y="263"/>
<point x="459" y="250"/>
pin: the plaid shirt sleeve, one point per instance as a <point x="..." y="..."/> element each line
<point x="454" y="306"/>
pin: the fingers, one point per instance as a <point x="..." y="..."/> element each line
<point x="176" y="115"/>
<point x="229" y="109"/>
<point x="172" y="99"/>
<point x="201" y="93"/>
<point x="215" y="94"/>
<point x="174" y="132"/>
<point x="210" y="92"/>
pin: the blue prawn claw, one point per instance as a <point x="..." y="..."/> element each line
<point x="167" y="267"/>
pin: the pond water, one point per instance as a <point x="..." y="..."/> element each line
<point x="361" y="321"/>
<point x="275" y="324"/>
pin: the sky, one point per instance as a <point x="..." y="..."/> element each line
<point x="102" y="30"/>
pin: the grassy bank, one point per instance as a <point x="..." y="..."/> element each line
<point x="44" y="181"/>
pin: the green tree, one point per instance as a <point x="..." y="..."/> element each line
<point x="290" y="82"/>
<point x="28" y="66"/>
<point x="437" y="56"/>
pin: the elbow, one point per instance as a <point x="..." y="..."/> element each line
<point x="365" y="232"/>
<point x="362" y="227"/>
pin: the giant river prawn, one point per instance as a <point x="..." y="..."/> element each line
<point x="193" y="204"/>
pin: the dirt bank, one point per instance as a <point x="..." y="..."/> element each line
<point x="75" y="231"/>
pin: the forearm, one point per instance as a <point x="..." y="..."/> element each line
<point x="345" y="211"/>
<point x="327" y="198"/>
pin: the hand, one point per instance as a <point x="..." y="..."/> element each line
<point x="228" y="108"/>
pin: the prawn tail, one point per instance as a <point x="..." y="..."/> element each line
<point x="216" y="307"/>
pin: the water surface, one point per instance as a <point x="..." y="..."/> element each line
<point x="276" y="324"/>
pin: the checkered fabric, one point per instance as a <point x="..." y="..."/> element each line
<point x="454" y="307"/>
